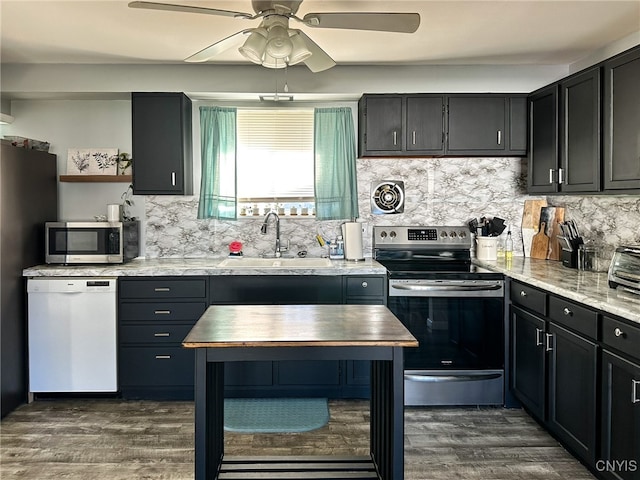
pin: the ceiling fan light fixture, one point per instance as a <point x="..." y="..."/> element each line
<point x="272" y="62"/>
<point x="253" y="48"/>
<point x="278" y="43"/>
<point x="299" y="52"/>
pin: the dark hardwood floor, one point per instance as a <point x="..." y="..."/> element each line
<point x="81" y="439"/>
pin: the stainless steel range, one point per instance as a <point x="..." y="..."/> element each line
<point x="453" y="308"/>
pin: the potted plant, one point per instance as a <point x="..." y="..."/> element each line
<point x="124" y="162"/>
<point x="127" y="203"/>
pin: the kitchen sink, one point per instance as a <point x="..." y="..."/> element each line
<point x="245" y="262"/>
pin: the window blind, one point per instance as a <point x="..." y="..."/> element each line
<point x="275" y="154"/>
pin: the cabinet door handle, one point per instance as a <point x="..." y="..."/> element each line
<point x="395" y="137"/>
<point x="634" y="391"/>
<point x="163" y="357"/>
<point x="365" y="284"/>
<point x="551" y="175"/>
<point x="173" y="179"/>
<point x="413" y="137"/>
<point x="618" y="333"/>
<point x="560" y="175"/>
<point x="161" y="334"/>
<point x="162" y="289"/>
<point x="567" y="312"/>
<point x="499" y="137"/>
<point x="549" y="342"/>
<point x="523" y="293"/>
<point x="162" y="312"/>
<point x="538" y="337"/>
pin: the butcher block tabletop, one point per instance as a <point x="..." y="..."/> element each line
<point x="224" y="326"/>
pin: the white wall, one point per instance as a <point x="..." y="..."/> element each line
<point x="78" y="123"/>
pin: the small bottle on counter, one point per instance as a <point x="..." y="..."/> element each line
<point x="340" y="242"/>
<point x="508" y="247"/>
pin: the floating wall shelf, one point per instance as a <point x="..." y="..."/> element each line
<point x="96" y="178"/>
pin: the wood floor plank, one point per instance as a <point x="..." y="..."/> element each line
<point x="86" y="439"/>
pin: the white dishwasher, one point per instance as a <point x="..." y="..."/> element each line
<point x="72" y="334"/>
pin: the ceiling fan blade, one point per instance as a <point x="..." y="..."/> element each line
<point x="188" y="9"/>
<point x="223" y="45"/>
<point x="382" y="22"/>
<point x="319" y="59"/>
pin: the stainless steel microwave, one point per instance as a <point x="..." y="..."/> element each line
<point x="91" y="242"/>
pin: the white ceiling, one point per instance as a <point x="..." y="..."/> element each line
<point x="472" y="32"/>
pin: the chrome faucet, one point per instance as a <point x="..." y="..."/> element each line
<point x="278" y="249"/>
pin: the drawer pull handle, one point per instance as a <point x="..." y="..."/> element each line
<point x="161" y="335"/>
<point x="365" y="284"/>
<point x="634" y="391"/>
<point x="162" y="312"/>
<point x="163" y="357"/>
<point x="549" y="341"/>
<point x="162" y="289"/>
<point x="538" y="337"/>
<point x="618" y="333"/>
<point x="523" y="293"/>
<point x="567" y="312"/>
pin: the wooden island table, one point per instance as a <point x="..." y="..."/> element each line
<point x="229" y="333"/>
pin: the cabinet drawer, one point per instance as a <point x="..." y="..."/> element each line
<point x="621" y="336"/>
<point x="156" y="366"/>
<point x="161" y="311"/>
<point x="365" y="286"/>
<point x="528" y="297"/>
<point x="575" y="316"/>
<point x="161" y="288"/>
<point x="154" y="334"/>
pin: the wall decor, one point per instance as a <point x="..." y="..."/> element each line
<point x="92" y="161"/>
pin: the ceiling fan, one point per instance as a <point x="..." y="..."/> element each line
<point x="274" y="45"/>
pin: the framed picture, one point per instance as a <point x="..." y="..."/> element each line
<point x="92" y="161"/>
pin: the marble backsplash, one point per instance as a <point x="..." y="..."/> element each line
<point x="438" y="191"/>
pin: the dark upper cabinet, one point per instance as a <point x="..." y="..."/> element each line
<point x="476" y="124"/>
<point x="621" y="121"/>
<point x="424" y="132"/>
<point x="440" y="124"/>
<point x="161" y="124"/>
<point x="543" y="140"/>
<point x="381" y="116"/>
<point x="565" y="121"/>
<point x="583" y="130"/>
<point x="580" y="128"/>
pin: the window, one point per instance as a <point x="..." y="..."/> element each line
<point x="275" y="162"/>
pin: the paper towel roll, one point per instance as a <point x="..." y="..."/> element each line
<point x="352" y="233"/>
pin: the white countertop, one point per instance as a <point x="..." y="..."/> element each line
<point x="589" y="288"/>
<point x="156" y="267"/>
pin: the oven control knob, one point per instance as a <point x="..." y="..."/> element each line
<point x="453" y="234"/>
<point x="392" y="234"/>
<point x="463" y="234"/>
<point x="383" y="234"/>
<point x="443" y="234"/>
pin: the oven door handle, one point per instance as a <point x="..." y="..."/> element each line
<point x="448" y="288"/>
<point x="452" y="378"/>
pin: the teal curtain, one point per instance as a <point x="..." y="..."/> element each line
<point x="336" y="190"/>
<point x="218" y="154"/>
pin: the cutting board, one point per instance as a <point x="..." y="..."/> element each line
<point x="540" y="243"/>
<point x="552" y="217"/>
<point x="531" y="222"/>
